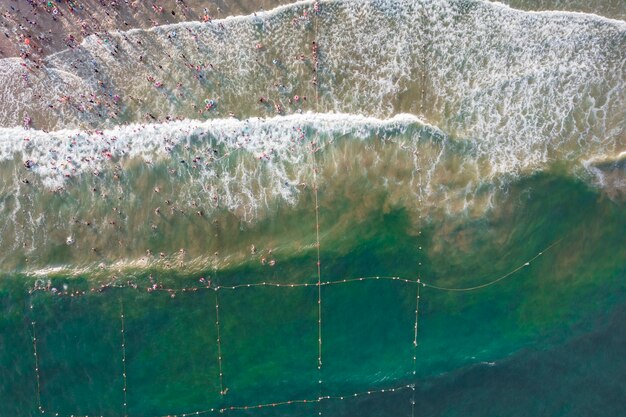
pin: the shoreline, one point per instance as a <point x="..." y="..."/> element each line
<point x="36" y="31"/>
<point x="50" y="32"/>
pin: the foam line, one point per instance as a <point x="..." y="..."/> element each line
<point x="303" y="3"/>
<point x="59" y="154"/>
<point x="563" y="13"/>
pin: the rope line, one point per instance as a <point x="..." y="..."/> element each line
<point x="322" y="283"/>
<point x="217" y="324"/>
<point x="125" y="404"/>
<point x="37" y="377"/>
<point x="294" y="285"/>
<point x="291" y="402"/>
<point x="417" y="309"/>
<point x="319" y="284"/>
<point x="219" y="341"/>
<point x="276" y="404"/>
<point x="415" y="330"/>
<point x="495" y="281"/>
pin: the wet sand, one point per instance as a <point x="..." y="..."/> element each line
<point x="37" y="29"/>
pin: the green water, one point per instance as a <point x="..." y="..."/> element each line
<point x="555" y="324"/>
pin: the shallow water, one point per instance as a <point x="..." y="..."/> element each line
<point x="480" y="152"/>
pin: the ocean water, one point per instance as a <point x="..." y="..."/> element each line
<point x="437" y="230"/>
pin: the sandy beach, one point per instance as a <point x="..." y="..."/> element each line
<point x="36" y="28"/>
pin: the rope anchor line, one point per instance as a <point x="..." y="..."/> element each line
<point x="415" y="344"/>
<point x="125" y="403"/>
<point x="37" y="376"/>
<point x="219" y="344"/>
<point x="304" y="284"/>
<point x="319" y="284"/>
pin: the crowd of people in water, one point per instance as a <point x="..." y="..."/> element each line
<point x="31" y="34"/>
<point x="32" y="30"/>
<point x="107" y="103"/>
<point x="63" y="289"/>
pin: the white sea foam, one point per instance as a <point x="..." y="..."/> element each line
<point x="525" y="88"/>
<point x="600" y="9"/>
<point x="66" y="153"/>
<point x="509" y="91"/>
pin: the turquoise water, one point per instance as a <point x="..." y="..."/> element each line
<point x="538" y="328"/>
